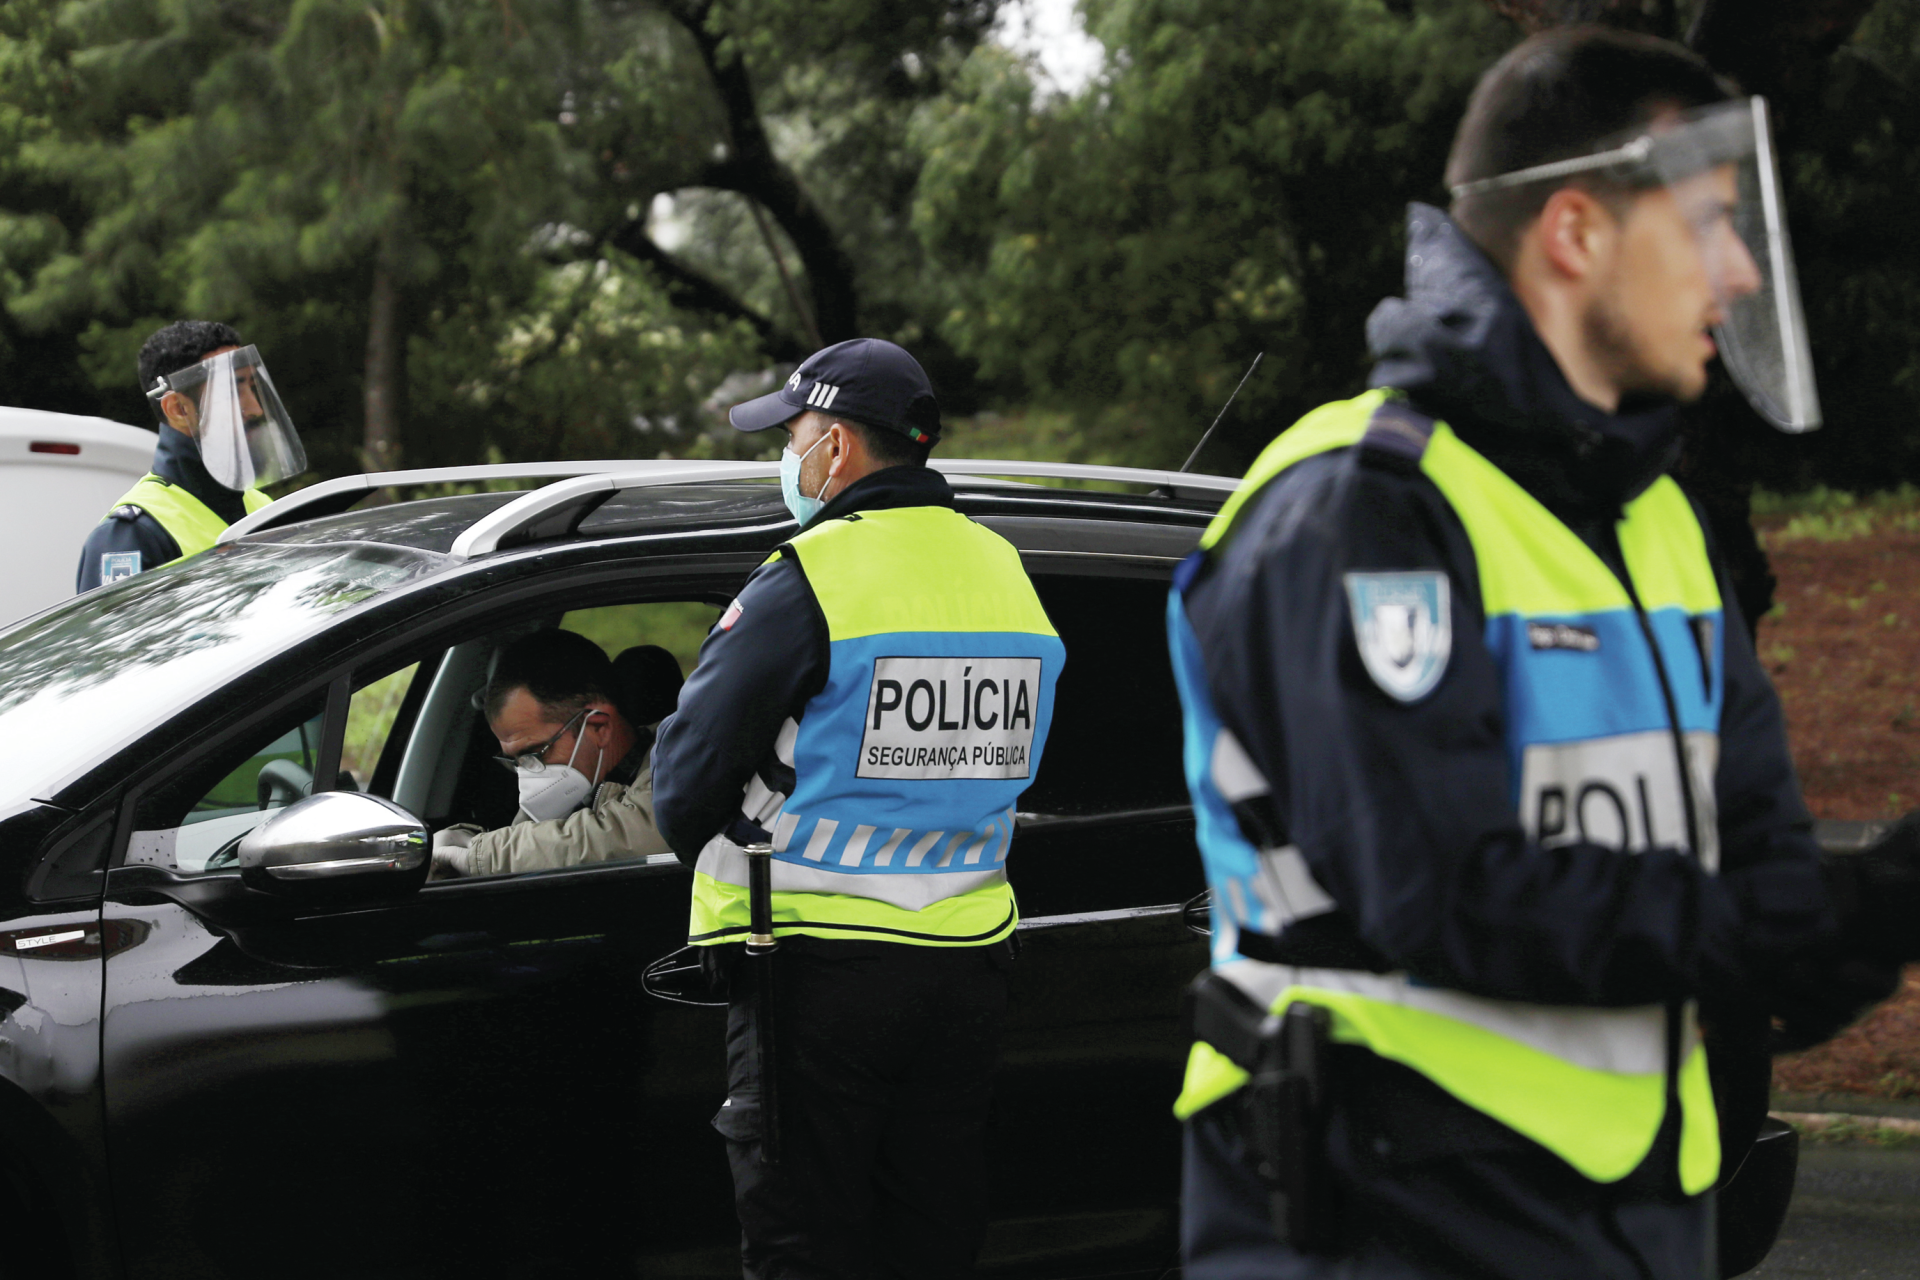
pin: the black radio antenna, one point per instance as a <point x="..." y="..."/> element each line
<point x="1223" y="411"/>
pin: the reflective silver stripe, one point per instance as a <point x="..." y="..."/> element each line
<point x="723" y="860"/>
<point x="1235" y="776"/>
<point x="920" y="847"/>
<point x="1237" y="900"/>
<point x="1286" y="888"/>
<point x="1703" y="762"/>
<point x="1621" y="792"/>
<point x="885" y="857"/>
<point x="822" y="837"/>
<point x="783" y="831"/>
<point x="1623" y="1041"/>
<point x="761" y="802"/>
<point x="856" y="846"/>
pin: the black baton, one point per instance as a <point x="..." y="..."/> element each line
<point x="761" y="946"/>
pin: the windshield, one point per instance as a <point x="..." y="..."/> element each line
<point x="83" y="679"/>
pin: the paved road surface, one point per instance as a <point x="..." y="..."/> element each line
<point x="1855" y="1216"/>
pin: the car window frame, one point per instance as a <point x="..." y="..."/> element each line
<point x="538" y="590"/>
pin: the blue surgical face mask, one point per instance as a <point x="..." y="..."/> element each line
<point x="803" y="507"/>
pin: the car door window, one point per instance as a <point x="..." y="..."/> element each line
<point x="198" y="818"/>
<point x="1115" y="741"/>
<point x="678" y="626"/>
<point x="449" y="772"/>
<point x="1107" y="824"/>
<point x="194" y="822"/>
<point x="370" y="719"/>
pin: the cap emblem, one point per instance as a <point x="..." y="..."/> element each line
<point x="793" y="382"/>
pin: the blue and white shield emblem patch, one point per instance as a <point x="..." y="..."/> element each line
<point x="115" y="565"/>
<point x="1402" y="624"/>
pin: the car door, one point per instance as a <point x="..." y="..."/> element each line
<point x="1086" y="1150"/>
<point x="468" y="1078"/>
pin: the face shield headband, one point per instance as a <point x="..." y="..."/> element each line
<point x="228" y="406"/>
<point x="1718" y="164"/>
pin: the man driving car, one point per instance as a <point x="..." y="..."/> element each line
<point x="581" y="765"/>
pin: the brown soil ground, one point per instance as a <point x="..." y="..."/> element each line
<point x="1843" y="647"/>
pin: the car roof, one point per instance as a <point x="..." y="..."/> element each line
<point x="627" y="499"/>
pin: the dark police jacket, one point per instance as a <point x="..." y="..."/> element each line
<point x="763" y="662"/>
<point x="1458" y="895"/>
<point x="128" y="529"/>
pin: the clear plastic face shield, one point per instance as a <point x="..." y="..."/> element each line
<point x="227" y="404"/>
<point x="1718" y="165"/>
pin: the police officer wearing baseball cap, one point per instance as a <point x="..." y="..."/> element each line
<point x="811" y="725"/>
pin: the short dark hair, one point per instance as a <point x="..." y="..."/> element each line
<point x="181" y="344"/>
<point x="563" y="670"/>
<point x="1556" y="96"/>
<point x="889" y="448"/>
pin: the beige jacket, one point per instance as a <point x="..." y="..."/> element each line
<point x="618" y="825"/>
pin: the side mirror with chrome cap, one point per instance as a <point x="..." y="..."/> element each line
<point x="337" y="843"/>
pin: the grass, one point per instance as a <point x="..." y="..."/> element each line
<point x="1838" y="1130"/>
<point x="1821" y="514"/>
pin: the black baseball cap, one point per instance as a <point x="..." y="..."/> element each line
<point x="869" y="380"/>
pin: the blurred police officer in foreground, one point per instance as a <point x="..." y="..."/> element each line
<point x="1492" y="792"/>
<point x="872" y="705"/>
<point x="223" y="433"/>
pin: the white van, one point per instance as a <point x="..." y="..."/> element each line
<point x="60" y="474"/>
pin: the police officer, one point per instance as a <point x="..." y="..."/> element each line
<point x="1491" y="790"/>
<point x="223" y="433"/>
<point x="872" y="705"/>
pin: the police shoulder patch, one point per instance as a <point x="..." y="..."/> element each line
<point x="1403" y="625"/>
<point x="115" y="565"/>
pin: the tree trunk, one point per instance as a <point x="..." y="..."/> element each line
<point x="751" y="169"/>
<point x="386" y="369"/>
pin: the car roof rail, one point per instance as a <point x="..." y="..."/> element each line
<point x="558" y="509"/>
<point x="1151" y="478"/>
<point x="330" y="497"/>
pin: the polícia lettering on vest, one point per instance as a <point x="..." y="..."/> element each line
<point x="950" y="717"/>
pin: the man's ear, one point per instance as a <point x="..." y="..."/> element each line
<point x="1574" y="232"/>
<point x="179" y="411"/>
<point x="845" y="446"/>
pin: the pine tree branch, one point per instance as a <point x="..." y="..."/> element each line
<point x="750" y="168"/>
<point x="693" y="291"/>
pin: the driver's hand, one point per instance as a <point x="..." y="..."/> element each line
<point x="451" y="853"/>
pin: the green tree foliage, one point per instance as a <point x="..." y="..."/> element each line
<point x="1235" y="184"/>
<point x="433" y="216"/>
<point x="1850" y="159"/>
<point x="443" y="221"/>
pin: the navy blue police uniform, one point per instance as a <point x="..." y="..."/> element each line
<point x="130" y="540"/>
<point x="1401" y="814"/>
<point x="809" y="726"/>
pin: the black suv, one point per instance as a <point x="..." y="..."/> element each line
<point x="209" y="1071"/>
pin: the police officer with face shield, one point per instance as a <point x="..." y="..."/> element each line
<point x="223" y="433"/>
<point x="1493" y="795"/>
<point x="863" y="718"/>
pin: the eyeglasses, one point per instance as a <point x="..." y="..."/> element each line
<point x="534" y="759"/>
